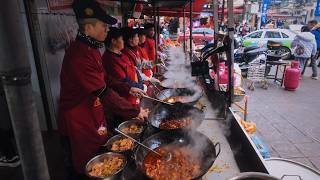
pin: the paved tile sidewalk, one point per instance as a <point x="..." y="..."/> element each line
<point x="289" y="121"/>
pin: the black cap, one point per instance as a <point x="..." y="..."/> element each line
<point x="141" y="31"/>
<point x="91" y="9"/>
<point x="148" y="26"/>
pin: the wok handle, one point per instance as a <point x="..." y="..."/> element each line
<point x="219" y="150"/>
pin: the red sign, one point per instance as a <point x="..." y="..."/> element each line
<point x="59" y="4"/>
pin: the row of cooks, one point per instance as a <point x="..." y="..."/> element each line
<point x="96" y="87"/>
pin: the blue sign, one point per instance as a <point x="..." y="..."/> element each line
<point x="264" y="11"/>
<point x="317" y="11"/>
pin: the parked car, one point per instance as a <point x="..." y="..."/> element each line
<point x="261" y="37"/>
<point x="200" y="36"/>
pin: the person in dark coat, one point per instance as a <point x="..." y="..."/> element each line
<point x="315" y="29"/>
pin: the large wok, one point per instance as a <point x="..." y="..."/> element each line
<point x="192" y="96"/>
<point x="176" y="83"/>
<point x="163" y="112"/>
<point x="201" y="145"/>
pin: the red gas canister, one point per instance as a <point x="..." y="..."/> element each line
<point x="292" y="75"/>
<point x="224" y="75"/>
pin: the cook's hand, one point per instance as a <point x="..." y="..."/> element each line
<point x="137" y="92"/>
<point x="143" y="115"/>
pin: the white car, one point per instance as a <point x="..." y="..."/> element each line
<point x="261" y="37"/>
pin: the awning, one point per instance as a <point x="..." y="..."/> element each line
<point x="197" y="9"/>
<point x="169" y="8"/>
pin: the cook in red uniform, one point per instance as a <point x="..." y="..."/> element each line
<point x="150" y="44"/>
<point x="85" y="89"/>
<point x="118" y="65"/>
<point x="147" y="65"/>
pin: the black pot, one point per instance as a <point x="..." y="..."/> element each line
<point x="163" y="112"/>
<point x="203" y="147"/>
<point x="192" y="96"/>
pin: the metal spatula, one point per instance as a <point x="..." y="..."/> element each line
<point x="166" y="157"/>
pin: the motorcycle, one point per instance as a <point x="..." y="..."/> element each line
<point x="245" y="55"/>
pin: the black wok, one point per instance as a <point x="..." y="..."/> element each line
<point x="162" y="113"/>
<point x="169" y="83"/>
<point x="192" y="96"/>
<point x="201" y="145"/>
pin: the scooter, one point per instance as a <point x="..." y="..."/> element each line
<point x="244" y="55"/>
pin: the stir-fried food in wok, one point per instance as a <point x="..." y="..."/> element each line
<point x="183" y="164"/>
<point x="174" y="99"/>
<point x="122" y="145"/>
<point x="108" y="167"/>
<point x="176" y="124"/>
<point x="132" y="129"/>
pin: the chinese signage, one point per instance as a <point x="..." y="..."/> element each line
<point x="264" y="11"/>
<point x="317" y="11"/>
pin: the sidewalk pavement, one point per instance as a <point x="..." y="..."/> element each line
<point x="289" y="121"/>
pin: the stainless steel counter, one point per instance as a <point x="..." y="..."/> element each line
<point x="225" y="165"/>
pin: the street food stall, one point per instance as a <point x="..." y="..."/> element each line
<point x="201" y="144"/>
<point x="184" y="137"/>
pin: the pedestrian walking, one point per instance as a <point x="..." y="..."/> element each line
<point x="305" y="47"/>
<point x="315" y="29"/>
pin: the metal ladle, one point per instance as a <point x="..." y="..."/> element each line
<point x="157" y="100"/>
<point x="160" y="92"/>
<point x="166" y="157"/>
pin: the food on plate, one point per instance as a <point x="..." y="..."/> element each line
<point x="122" y="145"/>
<point x="176" y="124"/>
<point x="108" y="167"/>
<point x="132" y="129"/>
<point x="182" y="165"/>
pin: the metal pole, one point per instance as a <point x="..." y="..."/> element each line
<point x="190" y="30"/>
<point x="15" y="73"/>
<point x="222" y="15"/>
<point x="216" y="15"/>
<point x="155" y="30"/>
<point x="158" y="28"/>
<point x="33" y="23"/>
<point x="230" y="52"/>
<point x="184" y="30"/>
<point x="216" y="32"/>
<point x="244" y="11"/>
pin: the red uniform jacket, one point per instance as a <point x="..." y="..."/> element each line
<point x="121" y="68"/>
<point x="142" y="51"/>
<point x="150" y="47"/>
<point x="81" y="114"/>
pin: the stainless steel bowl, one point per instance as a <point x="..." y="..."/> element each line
<point x="253" y="176"/>
<point x="133" y="122"/>
<point x="115" y="138"/>
<point x="100" y="158"/>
